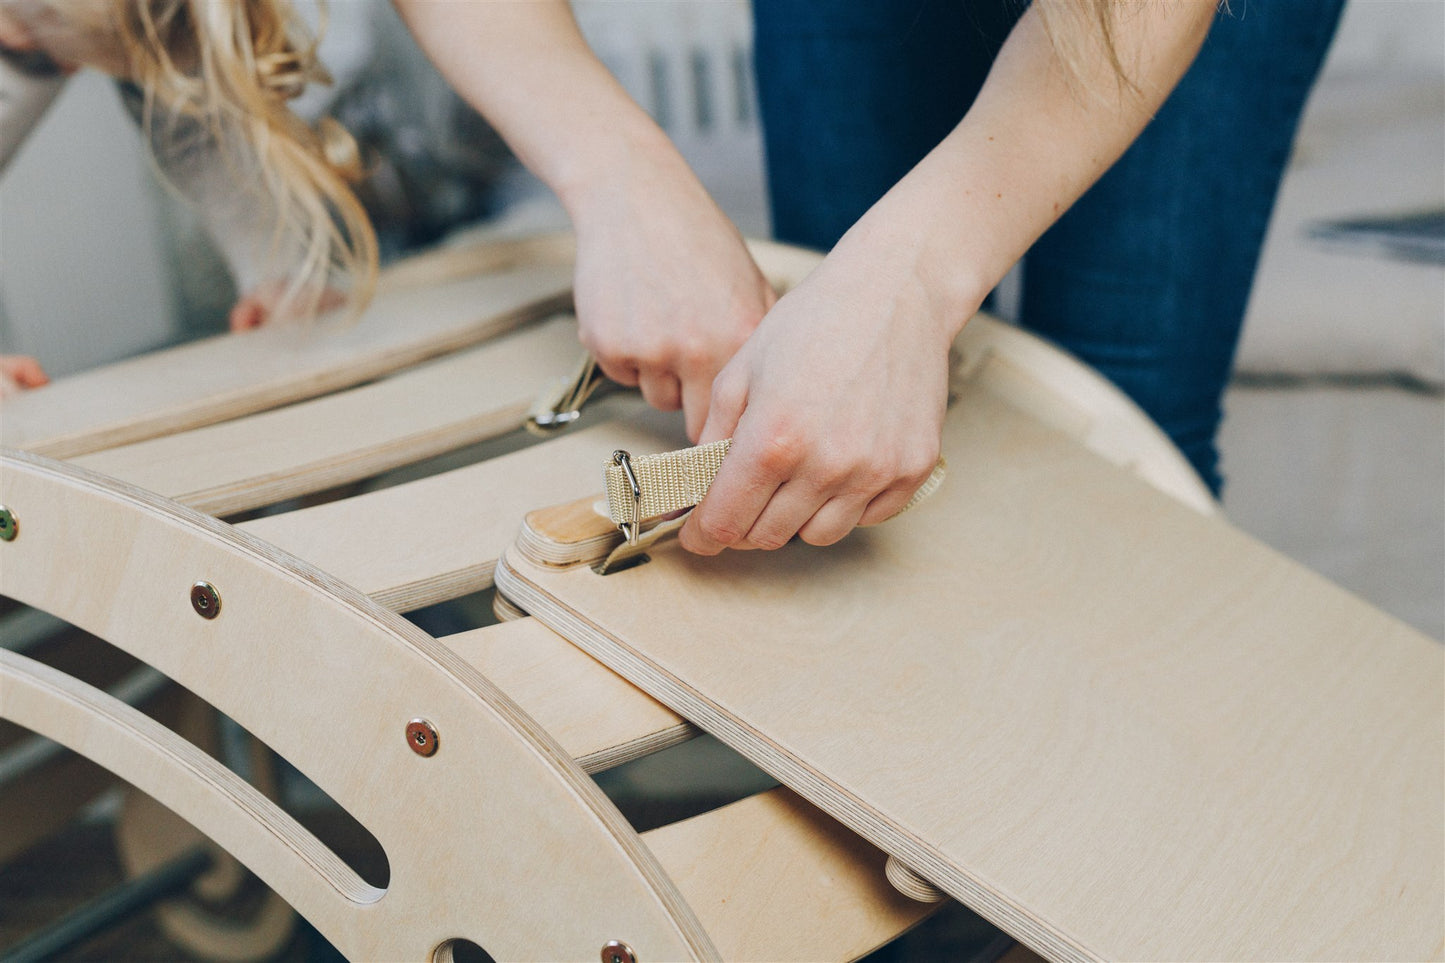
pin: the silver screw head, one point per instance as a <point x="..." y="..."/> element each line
<point x="9" y="525"/>
<point x="205" y="600"/>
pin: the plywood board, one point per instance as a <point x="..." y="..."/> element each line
<point x="329" y="679"/>
<point x="1114" y="726"/>
<point x="231" y="375"/>
<point x="313" y="445"/>
<point x="439" y="537"/>
<point x="773" y="878"/>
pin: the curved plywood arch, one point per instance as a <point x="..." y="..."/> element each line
<point x="329" y="679"/>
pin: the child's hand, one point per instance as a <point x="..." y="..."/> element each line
<point x="18" y="372"/>
<point x="265" y="303"/>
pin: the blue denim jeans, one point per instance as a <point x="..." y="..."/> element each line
<point x="1147" y="277"/>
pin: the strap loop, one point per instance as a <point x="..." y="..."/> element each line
<point x="644" y="487"/>
<point x="561" y="403"/>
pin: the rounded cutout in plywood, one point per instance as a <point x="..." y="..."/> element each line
<point x="461" y="951"/>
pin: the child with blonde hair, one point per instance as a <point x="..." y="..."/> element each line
<point x="210" y="82"/>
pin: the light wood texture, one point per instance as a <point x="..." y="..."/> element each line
<point x="232" y="375"/>
<point x="1038" y="378"/>
<point x="773" y="879"/>
<point x="439" y="537"/>
<point x="1114" y="726"/>
<point x="599" y="718"/>
<point x="329" y="679"/>
<point x="266" y="457"/>
<point x="779" y="880"/>
<point x="909" y="883"/>
<point x="568" y="534"/>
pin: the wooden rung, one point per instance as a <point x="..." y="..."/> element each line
<point x="910" y="884"/>
<point x="228" y="376"/>
<point x="318" y="444"/>
<point x="601" y="719"/>
<point x="438" y="538"/>
<point x="773" y="878"/>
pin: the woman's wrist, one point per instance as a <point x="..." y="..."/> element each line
<point x="631" y="154"/>
<point x="907" y="242"/>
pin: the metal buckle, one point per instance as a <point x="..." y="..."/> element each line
<point x="562" y="403"/>
<point x="632" y="528"/>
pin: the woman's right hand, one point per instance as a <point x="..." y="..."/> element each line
<point x="18" y="372"/>
<point x="666" y="291"/>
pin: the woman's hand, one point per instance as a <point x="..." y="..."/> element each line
<point x="835" y="404"/>
<point x="18" y="372"/>
<point x="665" y="289"/>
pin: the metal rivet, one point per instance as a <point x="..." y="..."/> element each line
<point x="617" y="951"/>
<point x="9" y="525"/>
<point x="205" y="600"/>
<point x="422" y="737"/>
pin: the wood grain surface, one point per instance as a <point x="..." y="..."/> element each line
<point x="439" y="537"/>
<point x="773" y="878"/>
<point x="330" y="680"/>
<point x="232" y="375"/>
<point x="313" y="445"/>
<point x="1114" y="726"/>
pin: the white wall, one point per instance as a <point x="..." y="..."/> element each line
<point x="82" y="277"/>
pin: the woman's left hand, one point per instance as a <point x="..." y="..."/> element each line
<point x="835" y="405"/>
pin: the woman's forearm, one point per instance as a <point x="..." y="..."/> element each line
<point x="527" y="68"/>
<point x="1036" y="138"/>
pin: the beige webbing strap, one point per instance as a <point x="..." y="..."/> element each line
<point x="647" y="486"/>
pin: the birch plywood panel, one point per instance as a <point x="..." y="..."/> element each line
<point x="306" y="447"/>
<point x="1117" y="728"/>
<point x="817" y="891"/>
<point x="228" y="376"/>
<point x="400" y="545"/>
<point x="293" y="651"/>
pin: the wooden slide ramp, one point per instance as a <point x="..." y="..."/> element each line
<point x="1117" y="728"/>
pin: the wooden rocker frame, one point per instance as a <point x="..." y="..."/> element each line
<point x="466" y="757"/>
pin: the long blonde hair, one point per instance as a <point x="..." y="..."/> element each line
<point x="234" y="66"/>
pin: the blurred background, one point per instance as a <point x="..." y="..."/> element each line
<point x="1334" y="438"/>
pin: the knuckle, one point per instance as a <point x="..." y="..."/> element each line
<point x="769" y="541"/>
<point x="728" y="391"/>
<point x="719" y="531"/>
<point x="919" y="464"/>
<point x="821" y="536"/>
<point x="778" y="457"/>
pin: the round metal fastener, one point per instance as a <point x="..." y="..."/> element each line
<point x="205" y="600"/>
<point x="617" y="951"/>
<point x="422" y="737"/>
<point x="9" y="525"/>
